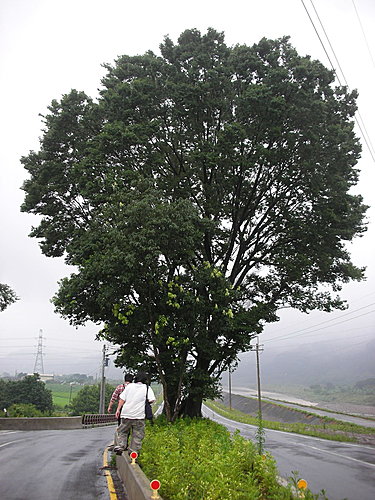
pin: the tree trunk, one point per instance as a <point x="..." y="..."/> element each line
<point x="192" y="407"/>
<point x="192" y="404"/>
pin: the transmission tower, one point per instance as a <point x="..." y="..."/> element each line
<point x="38" y="366"/>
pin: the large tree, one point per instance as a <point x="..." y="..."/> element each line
<point x="206" y="188"/>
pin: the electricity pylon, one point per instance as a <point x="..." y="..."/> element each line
<point x="38" y="366"/>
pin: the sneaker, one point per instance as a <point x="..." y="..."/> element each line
<point x="118" y="450"/>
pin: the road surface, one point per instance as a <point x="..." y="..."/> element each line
<point x="344" y="471"/>
<point x="57" y="464"/>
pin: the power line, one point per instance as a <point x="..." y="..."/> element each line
<point x="300" y="332"/>
<point x="361" y="126"/>
<point x="334" y="319"/>
<point x="355" y="301"/>
<point x="347" y="340"/>
<point x="364" y="34"/>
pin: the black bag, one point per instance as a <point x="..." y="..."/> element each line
<point x="148" y="409"/>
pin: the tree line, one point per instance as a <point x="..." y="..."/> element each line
<point x="26" y="397"/>
<point x="30" y="397"/>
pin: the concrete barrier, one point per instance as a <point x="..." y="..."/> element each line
<point x="56" y="423"/>
<point x="40" y="423"/>
<point x="136" y="483"/>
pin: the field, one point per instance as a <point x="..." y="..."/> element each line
<point x="62" y="394"/>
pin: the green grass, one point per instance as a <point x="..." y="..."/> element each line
<point x="331" y="429"/>
<point x="61" y="393"/>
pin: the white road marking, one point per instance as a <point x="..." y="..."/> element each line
<point x="5" y="444"/>
<point x="295" y="440"/>
<point x="341" y="456"/>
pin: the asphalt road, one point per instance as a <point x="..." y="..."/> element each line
<point x="58" y="465"/>
<point x="344" y="471"/>
<point x="41" y="465"/>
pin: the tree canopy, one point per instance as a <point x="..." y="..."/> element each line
<point x="7" y="296"/>
<point x="28" y="391"/>
<point x="87" y="399"/>
<point x="206" y="188"/>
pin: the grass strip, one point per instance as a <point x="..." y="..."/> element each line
<point x="331" y="429"/>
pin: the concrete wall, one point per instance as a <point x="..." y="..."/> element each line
<point x="55" y="423"/>
<point x="40" y="423"/>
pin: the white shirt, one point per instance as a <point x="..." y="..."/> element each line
<point x="134" y="397"/>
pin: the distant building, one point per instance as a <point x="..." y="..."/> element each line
<point x="44" y="376"/>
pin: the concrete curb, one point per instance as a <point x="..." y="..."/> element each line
<point x="136" y="483"/>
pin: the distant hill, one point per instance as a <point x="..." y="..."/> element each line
<point x="308" y="365"/>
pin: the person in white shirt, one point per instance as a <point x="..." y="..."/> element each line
<point x="133" y="413"/>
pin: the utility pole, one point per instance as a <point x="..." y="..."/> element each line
<point x="230" y="387"/>
<point x="260" y="431"/>
<point x="102" y="383"/>
<point x="257" y="349"/>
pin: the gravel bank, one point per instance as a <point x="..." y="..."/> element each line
<point x="360" y="410"/>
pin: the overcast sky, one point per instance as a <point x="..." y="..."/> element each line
<point x="49" y="47"/>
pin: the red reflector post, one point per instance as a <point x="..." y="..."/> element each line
<point x="133" y="456"/>
<point x="155" y="485"/>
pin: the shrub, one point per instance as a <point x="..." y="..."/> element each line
<point x="87" y="399"/>
<point x="28" y="390"/>
<point x="200" y="459"/>
<point x="24" y="410"/>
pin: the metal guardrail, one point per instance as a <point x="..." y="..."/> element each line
<point x="90" y="420"/>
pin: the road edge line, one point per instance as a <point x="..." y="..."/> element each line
<point x="108" y="475"/>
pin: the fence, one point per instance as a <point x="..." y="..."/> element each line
<point x="98" y="419"/>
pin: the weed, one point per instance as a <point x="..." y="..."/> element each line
<point x="200" y="459"/>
